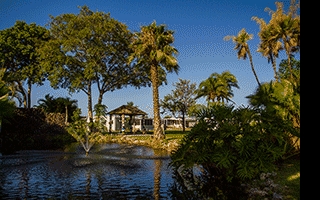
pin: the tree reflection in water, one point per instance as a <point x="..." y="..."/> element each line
<point x="111" y="171"/>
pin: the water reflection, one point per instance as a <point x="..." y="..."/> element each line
<point x="109" y="171"/>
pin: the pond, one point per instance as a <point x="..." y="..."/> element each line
<point x="109" y="171"/>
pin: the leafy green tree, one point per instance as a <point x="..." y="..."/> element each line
<point x="20" y="58"/>
<point x="154" y="55"/>
<point x="86" y="135"/>
<point x="218" y="87"/>
<point x="100" y="110"/>
<point x="282" y="98"/>
<point x="230" y="146"/>
<point x="241" y="41"/>
<point x="180" y="100"/>
<point x="86" y="49"/>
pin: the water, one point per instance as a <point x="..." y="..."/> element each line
<point x="109" y="171"/>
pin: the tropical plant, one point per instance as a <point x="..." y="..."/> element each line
<point x="269" y="47"/>
<point x="180" y="100"/>
<point x="284" y="28"/>
<point x="282" y="98"/>
<point x="154" y="54"/>
<point x="80" y="130"/>
<point x="228" y="147"/>
<point x="7" y="106"/>
<point x="58" y="105"/>
<point x="241" y="41"/>
<point x="20" y="58"/>
<point x="218" y="87"/>
<point x="86" y="49"/>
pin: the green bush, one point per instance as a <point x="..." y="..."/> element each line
<point x="233" y="146"/>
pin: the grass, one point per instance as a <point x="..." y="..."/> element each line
<point x="288" y="176"/>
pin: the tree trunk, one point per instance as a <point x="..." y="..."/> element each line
<point x="90" y="117"/>
<point x="100" y="98"/>
<point x="157" y="130"/>
<point x="274" y="66"/>
<point x="252" y="67"/>
<point x="183" y="122"/>
<point x="287" y="46"/>
<point x="66" y="119"/>
<point x="23" y="94"/>
<point x="29" y="94"/>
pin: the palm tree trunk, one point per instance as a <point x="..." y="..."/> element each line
<point x="66" y="119"/>
<point x="183" y="122"/>
<point x="274" y="66"/>
<point x="289" y="58"/>
<point x="252" y="67"/>
<point x="100" y="97"/>
<point x="158" y="133"/>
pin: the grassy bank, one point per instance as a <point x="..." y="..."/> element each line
<point x="288" y="176"/>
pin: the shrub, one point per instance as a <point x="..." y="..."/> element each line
<point x="231" y="146"/>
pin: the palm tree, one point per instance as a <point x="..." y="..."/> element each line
<point x="47" y="104"/>
<point x="218" y="87"/>
<point x="68" y="104"/>
<point x="58" y="105"/>
<point x="243" y="48"/>
<point x="152" y="49"/>
<point x="269" y="47"/>
<point x="286" y="28"/>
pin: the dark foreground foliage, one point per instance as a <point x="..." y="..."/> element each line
<point x="229" y="147"/>
<point x="33" y="129"/>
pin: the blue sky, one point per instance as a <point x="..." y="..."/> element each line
<point x="199" y="27"/>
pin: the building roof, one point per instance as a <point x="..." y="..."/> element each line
<point x="127" y="110"/>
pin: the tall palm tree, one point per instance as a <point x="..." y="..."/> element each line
<point x="269" y="47"/>
<point x="243" y="48"/>
<point x="152" y="49"/>
<point x="286" y="28"/>
<point x="218" y="87"/>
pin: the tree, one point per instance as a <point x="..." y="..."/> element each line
<point x="282" y="32"/>
<point x="180" y="100"/>
<point x="69" y="106"/>
<point x="268" y="47"/>
<point x="86" y="49"/>
<point x="20" y="58"/>
<point x="243" y="48"/>
<point x="218" y="87"/>
<point x="58" y="105"/>
<point x="282" y="98"/>
<point x="7" y="106"/>
<point x="153" y="54"/>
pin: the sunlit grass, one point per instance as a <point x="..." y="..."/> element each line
<point x="288" y="176"/>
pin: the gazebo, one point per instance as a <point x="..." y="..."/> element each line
<point x="126" y="110"/>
